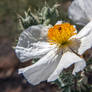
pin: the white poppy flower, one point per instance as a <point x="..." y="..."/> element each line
<point x="57" y="47"/>
<point x="80" y="11"/>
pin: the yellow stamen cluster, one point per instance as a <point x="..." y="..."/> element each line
<point x="60" y="34"/>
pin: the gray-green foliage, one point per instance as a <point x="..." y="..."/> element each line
<point x="44" y="16"/>
<point x="26" y="21"/>
<point x="48" y="15"/>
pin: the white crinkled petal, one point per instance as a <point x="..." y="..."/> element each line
<point x="86" y="43"/>
<point x="85" y="36"/>
<point x="67" y="60"/>
<point x="86" y="30"/>
<point x="42" y="69"/>
<point x="25" y="47"/>
<point x="79" y="66"/>
<point x="31" y="35"/>
<point x="80" y="11"/>
<point x="36" y="50"/>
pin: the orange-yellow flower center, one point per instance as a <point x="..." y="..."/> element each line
<point x="60" y="34"/>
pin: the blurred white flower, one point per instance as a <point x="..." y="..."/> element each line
<point x="80" y="11"/>
<point x="57" y="47"/>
